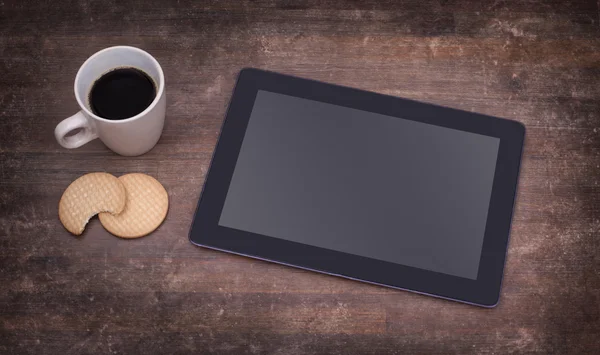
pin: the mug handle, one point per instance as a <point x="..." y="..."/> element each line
<point x="77" y="121"/>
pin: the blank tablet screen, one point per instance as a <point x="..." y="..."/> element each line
<point x="363" y="183"/>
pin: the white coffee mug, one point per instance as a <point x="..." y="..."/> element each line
<point x="131" y="136"/>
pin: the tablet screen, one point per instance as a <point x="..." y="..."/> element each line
<point x="363" y="183"/>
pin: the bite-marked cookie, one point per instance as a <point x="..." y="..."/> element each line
<point x="88" y="195"/>
<point x="146" y="209"/>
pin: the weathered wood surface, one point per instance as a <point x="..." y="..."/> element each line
<point x="535" y="61"/>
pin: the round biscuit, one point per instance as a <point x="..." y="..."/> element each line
<point x="88" y="195"/>
<point x="146" y="209"/>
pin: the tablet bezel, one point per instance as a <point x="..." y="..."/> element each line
<point x="484" y="291"/>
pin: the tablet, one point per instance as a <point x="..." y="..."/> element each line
<point x="361" y="185"/>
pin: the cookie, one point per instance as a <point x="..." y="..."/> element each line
<point x="87" y="196"/>
<point x="146" y="209"/>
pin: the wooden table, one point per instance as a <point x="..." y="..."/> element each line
<point x="537" y="62"/>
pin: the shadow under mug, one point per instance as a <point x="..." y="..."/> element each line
<point x="131" y="136"/>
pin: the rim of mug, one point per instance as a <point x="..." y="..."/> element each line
<point x="161" y="84"/>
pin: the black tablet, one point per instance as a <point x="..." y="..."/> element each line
<point x="364" y="186"/>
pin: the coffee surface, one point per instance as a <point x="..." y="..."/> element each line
<point x="122" y="93"/>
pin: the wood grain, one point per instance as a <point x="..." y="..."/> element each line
<point x="536" y="61"/>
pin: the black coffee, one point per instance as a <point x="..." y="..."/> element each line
<point x="122" y="93"/>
